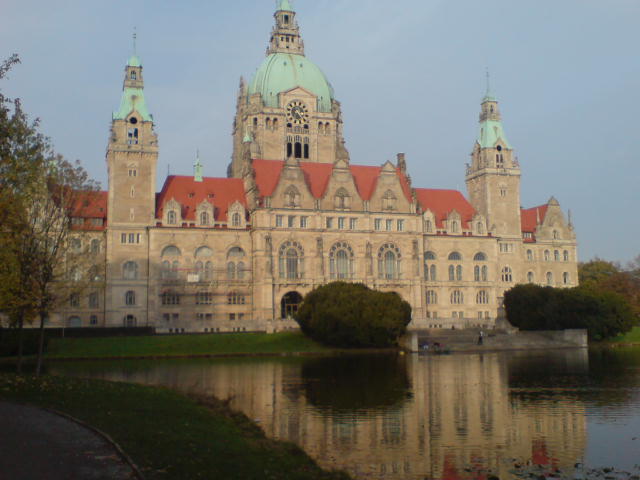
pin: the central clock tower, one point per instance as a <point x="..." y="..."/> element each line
<point x="288" y="110"/>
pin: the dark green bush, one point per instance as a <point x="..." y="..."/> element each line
<point x="603" y="314"/>
<point x="9" y="342"/>
<point x="352" y="315"/>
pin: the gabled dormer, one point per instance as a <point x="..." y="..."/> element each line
<point x="341" y="193"/>
<point x="205" y="214"/>
<point x="389" y="195"/>
<point x="172" y="214"/>
<point x="292" y="191"/>
<point x="237" y="216"/>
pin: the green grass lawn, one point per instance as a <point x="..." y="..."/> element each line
<point x="183" y="345"/>
<point x="630" y="337"/>
<point x="168" y="435"/>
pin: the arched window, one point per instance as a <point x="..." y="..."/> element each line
<point x="429" y="266"/>
<point x="480" y="257"/>
<point x="166" y="269"/>
<point x="204" y="218"/>
<point x="292" y="197"/>
<point x="549" y="278"/>
<point x="457" y="297"/>
<point x="74" y="322"/>
<point x="455" y="226"/>
<point x="170" y="251"/>
<point x="130" y="298"/>
<point x="341" y="261"/>
<point x="236" y="254"/>
<point x="342" y="199"/>
<point x="530" y="277"/>
<point x="389" y="201"/>
<point x="530" y="255"/>
<point x="507" y="275"/>
<point x="208" y="271"/>
<point x="482" y="298"/>
<point x="565" y="278"/>
<point x="134" y="75"/>
<point x="130" y="271"/>
<point x="455" y="271"/>
<point x="291" y="261"/>
<point x="432" y="297"/>
<point x="204" y="252"/>
<point x="476" y="273"/>
<point x="566" y="256"/>
<point x="547" y="255"/>
<point x="556" y="255"/>
<point x="428" y="226"/>
<point x="231" y="271"/>
<point x="240" y="270"/>
<point x="389" y="258"/>
<point x="236" y="220"/>
<point x="95" y="246"/>
<point x="172" y="217"/>
<point x="556" y="235"/>
<point x="480" y="228"/>
<point x="499" y="160"/>
<point x="485" y="273"/>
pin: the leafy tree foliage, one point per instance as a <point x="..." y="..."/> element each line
<point x="601" y="276"/>
<point x="39" y="193"/>
<point x="604" y="314"/>
<point x="352" y="315"/>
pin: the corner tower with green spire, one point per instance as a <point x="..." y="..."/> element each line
<point x="493" y="177"/>
<point x="289" y="107"/>
<point x="132" y="154"/>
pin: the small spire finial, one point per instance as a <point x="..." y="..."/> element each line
<point x="197" y="168"/>
<point x="135" y="40"/>
<point x="488" y="82"/>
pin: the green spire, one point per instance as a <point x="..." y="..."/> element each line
<point x="197" y="168"/>
<point x="285" y="6"/>
<point x="133" y="89"/>
<point x="134" y="60"/>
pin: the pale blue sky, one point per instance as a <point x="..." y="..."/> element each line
<point x="410" y="75"/>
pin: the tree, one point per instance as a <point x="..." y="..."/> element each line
<point x="352" y="315"/>
<point x="603" y="314"/>
<point x="40" y="192"/>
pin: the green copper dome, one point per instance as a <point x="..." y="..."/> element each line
<point x="285" y="6"/>
<point x="281" y="72"/>
<point x="134" y="61"/>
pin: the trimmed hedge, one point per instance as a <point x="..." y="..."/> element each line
<point x="9" y="342"/>
<point x="352" y="315"/>
<point x="602" y="314"/>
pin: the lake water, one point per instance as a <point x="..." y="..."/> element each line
<point x="413" y="416"/>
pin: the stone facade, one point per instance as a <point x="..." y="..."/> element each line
<point x="239" y="253"/>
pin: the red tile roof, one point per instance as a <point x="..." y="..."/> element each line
<point x="529" y="217"/>
<point x="317" y="176"/>
<point x="222" y="192"/>
<point x="91" y="205"/>
<point x="443" y="202"/>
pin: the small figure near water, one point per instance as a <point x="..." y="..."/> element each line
<point x="481" y="338"/>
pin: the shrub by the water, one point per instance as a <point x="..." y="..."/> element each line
<point x="602" y="314"/>
<point x="352" y="315"/>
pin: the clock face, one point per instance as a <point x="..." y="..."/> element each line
<point x="297" y="112"/>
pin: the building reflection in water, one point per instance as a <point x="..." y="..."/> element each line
<point x="404" y="417"/>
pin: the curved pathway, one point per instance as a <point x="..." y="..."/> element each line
<point x="39" y="445"/>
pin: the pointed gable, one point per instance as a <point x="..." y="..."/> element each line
<point x="443" y="202"/>
<point x="531" y="216"/>
<point x="220" y="192"/>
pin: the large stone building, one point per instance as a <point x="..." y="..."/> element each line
<point x="239" y="253"/>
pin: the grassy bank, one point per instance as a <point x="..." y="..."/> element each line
<point x="183" y="345"/>
<point x="170" y="436"/>
<point x="630" y="337"/>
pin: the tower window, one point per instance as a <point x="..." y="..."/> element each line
<point x="286" y="19"/>
<point x="133" y="120"/>
<point x="298" y="150"/>
<point x="306" y="150"/>
<point x="132" y="136"/>
<point x="134" y="76"/>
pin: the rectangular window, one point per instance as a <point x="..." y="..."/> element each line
<point x="132" y="238"/>
<point x="389" y="225"/>
<point x="175" y="317"/>
<point x="304" y="221"/>
<point x="93" y="320"/>
<point x="279" y="220"/>
<point x="209" y="317"/>
<point x="232" y="316"/>
<point x="241" y="316"/>
<point x="138" y="238"/>
<point x="123" y="238"/>
<point x="329" y="222"/>
<point x="166" y="317"/>
<point x="401" y="225"/>
<point x="378" y="224"/>
<point x="97" y="222"/>
<point x="341" y="223"/>
<point x="353" y="223"/>
<point x="291" y="221"/>
<point x="77" y="221"/>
